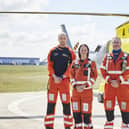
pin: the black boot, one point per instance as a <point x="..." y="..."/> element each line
<point x="67" y="128"/>
<point x="49" y="128"/>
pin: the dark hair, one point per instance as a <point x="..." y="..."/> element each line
<point x="80" y="48"/>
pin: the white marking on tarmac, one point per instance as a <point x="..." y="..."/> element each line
<point x="14" y="106"/>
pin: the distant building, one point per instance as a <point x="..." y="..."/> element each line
<point x="19" y="61"/>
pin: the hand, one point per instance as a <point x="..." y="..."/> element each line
<point x="80" y="88"/>
<point x="57" y="79"/>
<point x="114" y="83"/>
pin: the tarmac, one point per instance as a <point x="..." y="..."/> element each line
<point x="27" y="111"/>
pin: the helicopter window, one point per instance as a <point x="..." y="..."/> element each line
<point x="123" y="33"/>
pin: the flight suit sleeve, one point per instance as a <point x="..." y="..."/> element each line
<point x="50" y="64"/>
<point x="72" y="73"/>
<point x="72" y="58"/>
<point x="125" y="75"/>
<point x="93" y="74"/>
<point x="103" y="70"/>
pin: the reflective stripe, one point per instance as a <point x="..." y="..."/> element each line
<point x="64" y="97"/>
<point x="107" y="61"/>
<point x="102" y="67"/>
<point x="127" y="67"/>
<point x="51" y="97"/>
<point x="125" y="54"/>
<point x="83" y="83"/>
<point x="115" y="72"/>
<point x="78" y="125"/>
<point x="85" y="107"/>
<point x="89" y="70"/>
<point x="121" y="78"/>
<point x="76" y="61"/>
<point x="123" y="105"/>
<point x="108" y="127"/>
<point x="124" y="126"/>
<point x="68" y="116"/>
<point x="89" y="83"/>
<point x="49" y="116"/>
<point x="75" y="106"/>
<point x="92" y="80"/>
<point x="48" y="122"/>
<point x="88" y="125"/>
<point x="79" y="82"/>
<point x="107" y="77"/>
<point x="68" y="123"/>
<point x="72" y="80"/>
<point x="123" y="81"/>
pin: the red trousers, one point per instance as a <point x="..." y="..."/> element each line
<point x="64" y="90"/>
<point x="82" y="101"/>
<point x="122" y="95"/>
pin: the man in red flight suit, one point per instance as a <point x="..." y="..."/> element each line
<point x="83" y="76"/>
<point x="59" y="64"/>
<point x="115" y="71"/>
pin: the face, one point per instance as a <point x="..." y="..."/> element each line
<point x="62" y="40"/>
<point x="116" y="44"/>
<point x="83" y="51"/>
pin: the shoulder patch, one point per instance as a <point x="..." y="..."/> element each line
<point x="109" y="56"/>
<point x="77" y="65"/>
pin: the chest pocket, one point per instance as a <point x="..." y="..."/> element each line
<point x="86" y="67"/>
<point x="124" y="62"/>
<point x="77" y="66"/>
<point x="109" y="61"/>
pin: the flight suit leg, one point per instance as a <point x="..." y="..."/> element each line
<point x="123" y="101"/>
<point x="109" y="104"/>
<point x="64" y="90"/>
<point x="76" y="108"/>
<point x="86" y="108"/>
<point x="51" y="98"/>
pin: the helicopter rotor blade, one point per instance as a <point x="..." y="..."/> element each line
<point x="66" y="13"/>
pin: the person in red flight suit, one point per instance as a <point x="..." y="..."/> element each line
<point x="115" y="71"/>
<point x="59" y="63"/>
<point x="83" y="76"/>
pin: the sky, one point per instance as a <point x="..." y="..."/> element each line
<point x="35" y="35"/>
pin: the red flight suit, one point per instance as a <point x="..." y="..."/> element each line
<point x="59" y="63"/>
<point x="83" y="73"/>
<point x="118" y="70"/>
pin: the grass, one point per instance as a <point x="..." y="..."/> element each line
<point x="26" y="78"/>
<point x="23" y="78"/>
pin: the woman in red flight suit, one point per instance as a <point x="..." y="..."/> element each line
<point x="83" y="76"/>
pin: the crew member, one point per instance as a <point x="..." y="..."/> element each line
<point x="59" y="63"/>
<point x="115" y="71"/>
<point x="83" y="76"/>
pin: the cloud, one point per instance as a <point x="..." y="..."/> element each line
<point x="20" y="34"/>
<point x="22" y="5"/>
<point x="34" y="35"/>
<point x="37" y="44"/>
<point x="89" y="34"/>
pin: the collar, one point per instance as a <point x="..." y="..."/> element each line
<point x="116" y="52"/>
<point x="83" y="61"/>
